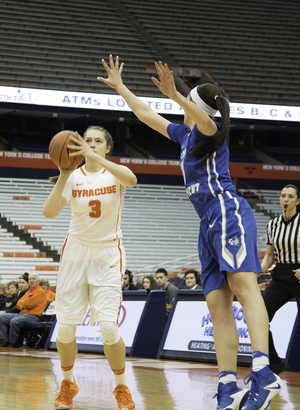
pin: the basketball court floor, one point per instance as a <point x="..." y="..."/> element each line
<point x="30" y="380"/>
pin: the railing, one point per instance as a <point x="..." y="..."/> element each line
<point x="175" y="267"/>
<point x="249" y="192"/>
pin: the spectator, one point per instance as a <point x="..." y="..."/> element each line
<point x="161" y="276"/>
<point x="283" y="248"/>
<point x="12" y="290"/>
<point x="44" y="283"/>
<point x="128" y="281"/>
<point x="2" y="296"/>
<point x="31" y="307"/>
<point x="23" y="287"/>
<point x="192" y="279"/>
<point x="149" y="283"/>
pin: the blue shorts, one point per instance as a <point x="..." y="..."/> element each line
<point x="227" y="240"/>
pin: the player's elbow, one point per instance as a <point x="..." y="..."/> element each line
<point x="132" y="181"/>
<point x="48" y="213"/>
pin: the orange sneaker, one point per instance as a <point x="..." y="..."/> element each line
<point x="123" y="396"/>
<point x="68" y="390"/>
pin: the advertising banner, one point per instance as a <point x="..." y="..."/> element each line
<point x="88" y="336"/>
<point x="191" y="331"/>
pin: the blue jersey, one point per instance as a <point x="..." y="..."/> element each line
<point x="227" y="237"/>
<point x="205" y="181"/>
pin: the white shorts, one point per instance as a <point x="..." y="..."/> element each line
<point x="89" y="275"/>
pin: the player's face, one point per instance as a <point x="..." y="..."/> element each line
<point x="289" y="198"/>
<point x="161" y="279"/>
<point x="146" y="283"/>
<point x="97" y="142"/>
<point x="190" y="280"/>
<point x="23" y="285"/>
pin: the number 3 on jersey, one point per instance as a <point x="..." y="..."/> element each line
<point x="96" y="209"/>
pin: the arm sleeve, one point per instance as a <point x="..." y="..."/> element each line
<point x="177" y="131"/>
<point x="12" y="310"/>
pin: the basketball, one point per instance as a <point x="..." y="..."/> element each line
<point x="59" y="151"/>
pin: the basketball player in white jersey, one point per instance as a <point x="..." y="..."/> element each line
<point x="93" y="259"/>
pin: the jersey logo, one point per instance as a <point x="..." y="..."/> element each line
<point x="211" y="225"/>
<point x="234" y="241"/>
<point x="79" y="184"/>
<point x="77" y="193"/>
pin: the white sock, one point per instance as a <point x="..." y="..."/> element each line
<point x="260" y="362"/>
<point x="120" y="376"/>
<point x="120" y="379"/>
<point x="227" y="377"/>
<point x="68" y="373"/>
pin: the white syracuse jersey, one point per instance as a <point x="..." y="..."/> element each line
<point x="96" y="201"/>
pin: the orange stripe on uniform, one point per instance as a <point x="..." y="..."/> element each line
<point x="119" y="212"/>
<point x="121" y="262"/>
<point x="81" y="169"/>
<point x="63" y="248"/>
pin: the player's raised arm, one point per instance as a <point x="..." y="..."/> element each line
<point x="167" y="86"/>
<point x="140" y="109"/>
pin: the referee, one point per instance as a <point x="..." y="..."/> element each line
<point x="283" y="247"/>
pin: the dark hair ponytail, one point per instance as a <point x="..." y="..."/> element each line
<point x="210" y="94"/>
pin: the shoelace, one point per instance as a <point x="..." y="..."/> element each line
<point x="218" y="395"/>
<point x="254" y="386"/>
<point x="65" y="392"/>
<point x="123" y="397"/>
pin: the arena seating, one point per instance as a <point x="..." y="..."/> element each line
<point x="159" y="224"/>
<point x="154" y="230"/>
<point x="53" y="45"/>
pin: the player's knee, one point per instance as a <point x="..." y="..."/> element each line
<point x="110" y="332"/>
<point x="66" y="333"/>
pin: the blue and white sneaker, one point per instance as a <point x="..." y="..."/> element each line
<point x="231" y="397"/>
<point x="265" y="385"/>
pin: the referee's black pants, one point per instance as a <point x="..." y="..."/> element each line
<point x="277" y="294"/>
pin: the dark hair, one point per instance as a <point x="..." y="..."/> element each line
<point x="298" y="195"/>
<point x="195" y="273"/>
<point x="24" y="276"/>
<point x="153" y="285"/>
<point x="207" y="92"/>
<point x="129" y="273"/>
<point x="108" y="137"/>
<point x="162" y="270"/>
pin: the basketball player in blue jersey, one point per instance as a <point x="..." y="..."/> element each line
<point x="227" y="238"/>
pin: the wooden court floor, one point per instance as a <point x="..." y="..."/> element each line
<point x="30" y="380"/>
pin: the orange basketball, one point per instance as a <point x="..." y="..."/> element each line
<point x="59" y="151"/>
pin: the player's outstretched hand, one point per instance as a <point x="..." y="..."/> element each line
<point x="114" y="72"/>
<point x="166" y="82"/>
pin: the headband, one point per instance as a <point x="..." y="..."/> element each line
<point x="24" y="277"/>
<point x="198" y="100"/>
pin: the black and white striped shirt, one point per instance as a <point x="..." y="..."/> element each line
<point x="285" y="238"/>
